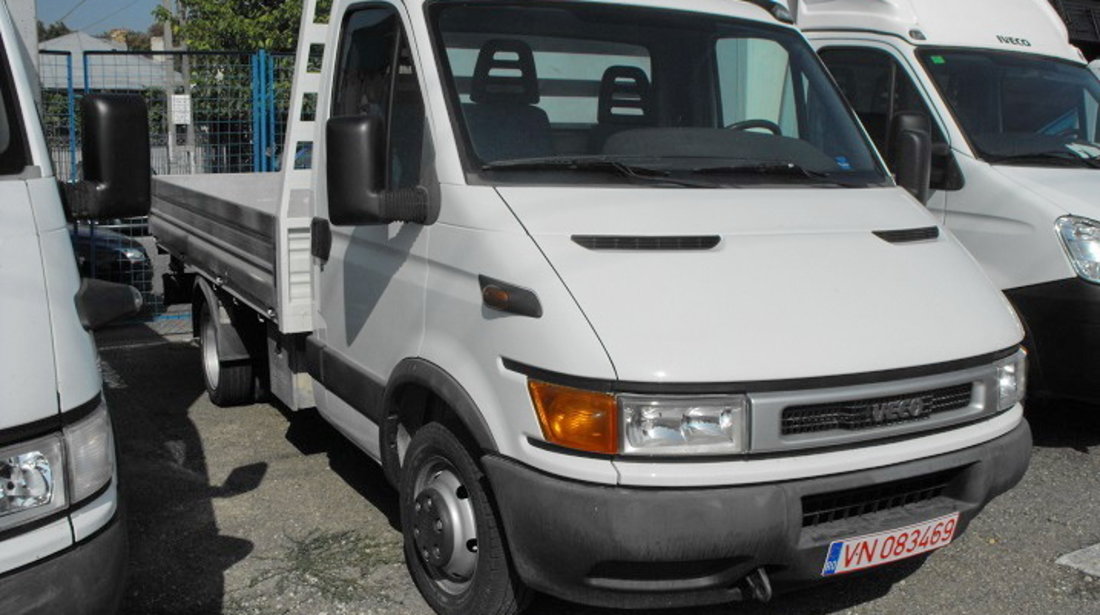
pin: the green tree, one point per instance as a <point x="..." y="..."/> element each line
<point x="239" y="25"/>
<point x="53" y="30"/>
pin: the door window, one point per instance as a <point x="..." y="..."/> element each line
<point x="877" y="86"/>
<point x="376" y="76"/>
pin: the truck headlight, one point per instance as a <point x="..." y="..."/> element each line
<point x="1011" y="380"/>
<point x="684" y="425"/>
<point x="1081" y="238"/>
<point x="609" y="424"/>
<point x="91" y="454"/>
<point x="32" y="481"/>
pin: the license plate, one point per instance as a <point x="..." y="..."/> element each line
<point x="862" y="552"/>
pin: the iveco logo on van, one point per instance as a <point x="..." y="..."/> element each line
<point x="1012" y="40"/>
<point x="899" y="410"/>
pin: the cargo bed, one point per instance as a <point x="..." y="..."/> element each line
<point x="226" y="228"/>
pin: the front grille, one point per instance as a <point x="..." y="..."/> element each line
<point x="841" y="505"/>
<point x="870" y="413"/>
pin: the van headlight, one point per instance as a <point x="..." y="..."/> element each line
<point x="1011" y="380"/>
<point x="684" y="425"/>
<point x="32" y="481"/>
<point x="1081" y="238"/>
<point x="43" y="476"/>
<point x="91" y="454"/>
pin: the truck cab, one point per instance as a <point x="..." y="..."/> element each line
<point x="618" y="294"/>
<point x="1013" y="112"/>
<point x="63" y="542"/>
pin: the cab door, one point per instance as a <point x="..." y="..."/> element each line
<point x="370" y="290"/>
<point x="878" y="83"/>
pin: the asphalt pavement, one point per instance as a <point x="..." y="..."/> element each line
<point x="258" y="510"/>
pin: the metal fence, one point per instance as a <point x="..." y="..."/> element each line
<point x="209" y="112"/>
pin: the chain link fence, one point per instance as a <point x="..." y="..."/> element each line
<point x="209" y="112"/>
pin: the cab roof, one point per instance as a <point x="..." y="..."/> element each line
<point x="1029" y="26"/>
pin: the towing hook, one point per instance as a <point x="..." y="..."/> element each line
<point x="760" y="586"/>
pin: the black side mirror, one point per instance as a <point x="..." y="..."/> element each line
<point x="99" y="303"/>
<point x="356" y="173"/>
<point x="117" y="170"/>
<point x="910" y="153"/>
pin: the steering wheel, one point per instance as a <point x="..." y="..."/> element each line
<point x="749" y="124"/>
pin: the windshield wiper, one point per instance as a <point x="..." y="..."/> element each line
<point x="597" y="164"/>
<point x="1065" y="158"/>
<point x="780" y="169"/>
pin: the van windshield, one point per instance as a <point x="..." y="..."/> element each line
<point x="579" y="92"/>
<point x="1021" y="109"/>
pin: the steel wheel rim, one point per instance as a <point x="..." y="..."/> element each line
<point x="448" y="523"/>
<point x="210" y="362"/>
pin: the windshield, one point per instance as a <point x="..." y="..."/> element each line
<point x="564" y="92"/>
<point x="1022" y="109"/>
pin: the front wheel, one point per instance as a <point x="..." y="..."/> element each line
<point x="454" y="547"/>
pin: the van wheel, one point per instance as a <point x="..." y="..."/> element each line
<point x="228" y="384"/>
<point x="454" y="547"/>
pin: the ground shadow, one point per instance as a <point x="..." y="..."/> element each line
<point x="312" y="435"/>
<point x="178" y="556"/>
<point x="1064" y="424"/>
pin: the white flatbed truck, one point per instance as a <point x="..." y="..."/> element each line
<point x="619" y="296"/>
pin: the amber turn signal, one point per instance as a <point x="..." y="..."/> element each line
<point x="577" y="419"/>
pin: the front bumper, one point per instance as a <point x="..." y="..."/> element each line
<point x="1063" y="335"/>
<point x="649" y="548"/>
<point x="85" y="579"/>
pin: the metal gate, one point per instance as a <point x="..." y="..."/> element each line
<point x="209" y="112"/>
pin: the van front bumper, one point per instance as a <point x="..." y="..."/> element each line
<point x="657" y="548"/>
<point x="1063" y="332"/>
<point x="85" y="579"/>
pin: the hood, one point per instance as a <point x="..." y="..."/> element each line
<point x="1072" y="190"/>
<point x="798" y="285"/>
<point x="28" y="387"/>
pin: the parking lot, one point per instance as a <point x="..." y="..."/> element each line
<point x="259" y="510"/>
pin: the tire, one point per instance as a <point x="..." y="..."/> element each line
<point x="227" y="384"/>
<point x="463" y="567"/>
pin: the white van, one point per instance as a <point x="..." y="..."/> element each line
<point x="617" y="292"/>
<point x="1014" y="114"/>
<point x="62" y="537"/>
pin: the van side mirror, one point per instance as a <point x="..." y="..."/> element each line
<point x="910" y="153"/>
<point x="356" y="171"/>
<point x="116" y="157"/>
<point x="99" y="303"/>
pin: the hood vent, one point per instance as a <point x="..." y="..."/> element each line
<point x="628" y="242"/>
<point x="909" y="235"/>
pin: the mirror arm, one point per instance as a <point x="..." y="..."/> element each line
<point x="404" y="205"/>
<point x="79" y="199"/>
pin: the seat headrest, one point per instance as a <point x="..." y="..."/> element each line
<point x="505" y="73"/>
<point x="624" y="96"/>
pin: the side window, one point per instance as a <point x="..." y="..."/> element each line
<point x="878" y="88"/>
<point x="376" y="75"/>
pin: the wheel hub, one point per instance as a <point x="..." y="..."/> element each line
<point x="445" y="526"/>
<point x="434" y="531"/>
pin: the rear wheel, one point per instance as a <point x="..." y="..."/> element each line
<point x="454" y="547"/>
<point x="227" y="383"/>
